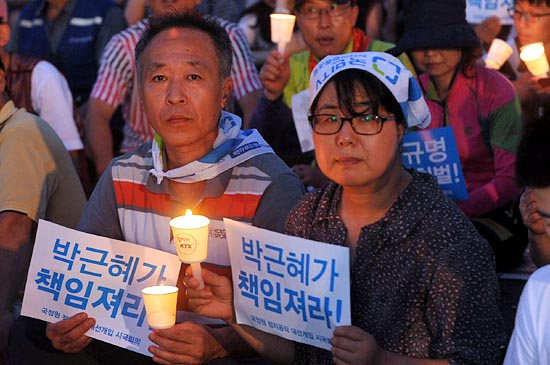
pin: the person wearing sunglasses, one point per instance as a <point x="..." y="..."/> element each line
<point x="423" y="284"/>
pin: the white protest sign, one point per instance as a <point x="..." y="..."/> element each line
<point x="73" y="272"/>
<point x="300" y="103"/>
<point x="479" y="10"/>
<point x="292" y="287"/>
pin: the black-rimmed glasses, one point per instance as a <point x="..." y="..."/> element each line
<point x="363" y="124"/>
<point x="528" y="16"/>
<point x="312" y="12"/>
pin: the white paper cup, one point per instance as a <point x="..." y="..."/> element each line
<point x="191" y="237"/>
<point x="160" y="305"/>
<point x="282" y="26"/>
<point x="498" y="54"/>
<point x="535" y="59"/>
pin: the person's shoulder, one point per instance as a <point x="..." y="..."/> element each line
<point x="140" y="156"/>
<point x="32" y="130"/>
<point x="380" y="46"/>
<point x="134" y="30"/>
<point x="44" y="67"/>
<point x="300" y="58"/>
<point x="493" y="84"/>
<point x="492" y="76"/>
<point x="439" y="220"/>
<point x="313" y="205"/>
<point x="229" y="26"/>
<point x="541" y="275"/>
<point x="268" y="164"/>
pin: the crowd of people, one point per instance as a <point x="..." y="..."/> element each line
<point x="115" y="116"/>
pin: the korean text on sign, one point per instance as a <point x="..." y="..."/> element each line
<point x="74" y="272"/>
<point x="434" y="151"/>
<point x="292" y="287"/>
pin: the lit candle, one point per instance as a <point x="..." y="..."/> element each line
<point x="160" y="305"/>
<point x="282" y="26"/>
<point x="535" y="59"/>
<point x="191" y="238"/>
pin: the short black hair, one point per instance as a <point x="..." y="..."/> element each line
<point x="533" y="156"/>
<point x="347" y="81"/>
<point x="191" y="20"/>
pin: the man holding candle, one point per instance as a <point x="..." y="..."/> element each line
<point x="200" y="159"/>
<point x="327" y="28"/>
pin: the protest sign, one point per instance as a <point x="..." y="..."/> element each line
<point x="73" y="272"/>
<point x="292" y="287"/>
<point x="434" y="151"/>
<point x="479" y="10"/>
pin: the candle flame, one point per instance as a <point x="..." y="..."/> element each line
<point x="188" y="212"/>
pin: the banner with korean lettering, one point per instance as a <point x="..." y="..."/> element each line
<point x="434" y="151"/>
<point x="292" y="287"/>
<point x="479" y="10"/>
<point x="73" y="272"/>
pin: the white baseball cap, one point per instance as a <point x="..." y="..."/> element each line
<point x="385" y="68"/>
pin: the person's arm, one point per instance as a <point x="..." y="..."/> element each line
<point x="15" y="251"/>
<point x="462" y="303"/>
<point x="248" y="105"/>
<point x="522" y="348"/>
<point x="501" y="189"/>
<point x="246" y="83"/>
<point x="48" y="85"/>
<point x="539" y="241"/>
<point x="505" y="130"/>
<point x="98" y="135"/>
<point x="353" y="345"/>
<point x="114" y="78"/>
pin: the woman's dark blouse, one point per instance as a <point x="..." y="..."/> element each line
<point x="423" y="282"/>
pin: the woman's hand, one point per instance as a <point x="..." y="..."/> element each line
<point x="352" y="345"/>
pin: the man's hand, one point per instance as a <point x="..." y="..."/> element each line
<point x="274" y="75"/>
<point x="215" y="300"/>
<point x="68" y="334"/>
<point x="186" y="343"/>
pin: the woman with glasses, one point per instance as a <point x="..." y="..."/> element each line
<point x="531" y="24"/>
<point x="484" y="112"/>
<point x="423" y="284"/>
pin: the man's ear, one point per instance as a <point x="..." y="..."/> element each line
<point x="227" y="89"/>
<point x="5" y="33"/>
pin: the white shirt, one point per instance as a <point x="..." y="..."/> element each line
<point x="530" y="341"/>
<point x="52" y="100"/>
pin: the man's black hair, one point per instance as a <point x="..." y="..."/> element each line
<point x="190" y="20"/>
